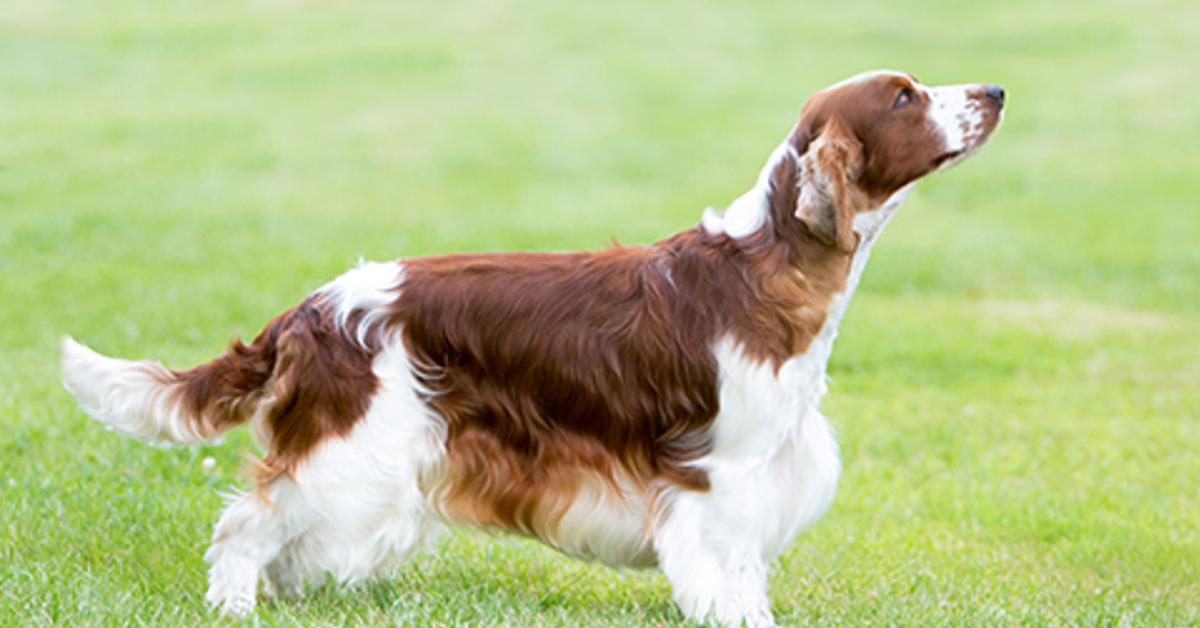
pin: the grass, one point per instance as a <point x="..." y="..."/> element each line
<point x="1017" y="387"/>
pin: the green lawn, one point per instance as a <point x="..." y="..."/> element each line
<point x="1017" y="388"/>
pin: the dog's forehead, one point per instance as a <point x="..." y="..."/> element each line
<point x="863" y="89"/>
<point x="861" y="94"/>
<point x="872" y="76"/>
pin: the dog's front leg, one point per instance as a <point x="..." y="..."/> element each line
<point x="716" y="574"/>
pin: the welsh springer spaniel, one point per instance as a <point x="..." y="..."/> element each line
<point x="640" y="406"/>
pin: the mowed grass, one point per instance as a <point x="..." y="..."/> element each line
<point x="1016" y="388"/>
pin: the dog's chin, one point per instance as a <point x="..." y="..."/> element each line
<point x="952" y="158"/>
<point x="948" y="159"/>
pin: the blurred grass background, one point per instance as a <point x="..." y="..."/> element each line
<point x="1017" y="387"/>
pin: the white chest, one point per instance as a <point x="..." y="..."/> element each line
<point x="774" y="464"/>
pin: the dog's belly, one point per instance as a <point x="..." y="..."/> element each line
<point x="605" y="524"/>
<point x="574" y="509"/>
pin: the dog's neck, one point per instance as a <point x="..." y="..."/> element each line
<point x="761" y="226"/>
<point x="868" y="225"/>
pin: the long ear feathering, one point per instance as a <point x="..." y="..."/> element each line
<point x="827" y="200"/>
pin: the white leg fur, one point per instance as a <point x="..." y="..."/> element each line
<point x="716" y="574"/>
<point x="248" y="536"/>
<point x="772" y="469"/>
<point x="715" y="547"/>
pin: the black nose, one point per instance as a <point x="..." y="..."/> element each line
<point x="995" y="93"/>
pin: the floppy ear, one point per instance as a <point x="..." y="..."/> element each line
<point x="827" y="198"/>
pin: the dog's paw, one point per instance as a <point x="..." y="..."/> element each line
<point x="236" y="606"/>
<point x="759" y="618"/>
<point x="232" y="586"/>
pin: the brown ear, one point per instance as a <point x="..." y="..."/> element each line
<point x="828" y="199"/>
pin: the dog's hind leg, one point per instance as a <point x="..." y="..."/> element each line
<point x="248" y="537"/>
<point x="362" y="533"/>
<point x="361" y="493"/>
<point x="349" y="513"/>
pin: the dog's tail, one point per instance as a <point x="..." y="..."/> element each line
<point x="146" y="400"/>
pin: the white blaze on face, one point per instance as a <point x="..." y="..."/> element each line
<point x="957" y="115"/>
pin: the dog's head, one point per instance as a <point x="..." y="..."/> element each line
<point x="860" y="141"/>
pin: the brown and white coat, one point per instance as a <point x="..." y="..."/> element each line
<point x="643" y="406"/>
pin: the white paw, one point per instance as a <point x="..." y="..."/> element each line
<point x="753" y="619"/>
<point x="232" y="586"/>
<point x="726" y="610"/>
<point x="760" y="618"/>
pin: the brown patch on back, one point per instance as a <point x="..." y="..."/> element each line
<point x="549" y="368"/>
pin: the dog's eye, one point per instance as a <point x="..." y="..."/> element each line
<point x="905" y="97"/>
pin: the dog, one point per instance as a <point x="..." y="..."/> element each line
<point x="639" y="406"/>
